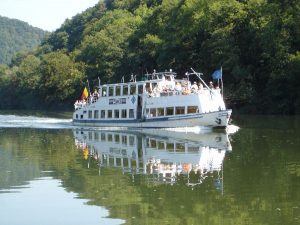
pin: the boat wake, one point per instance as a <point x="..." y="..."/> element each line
<point x="231" y="129"/>
<point x="14" y="121"/>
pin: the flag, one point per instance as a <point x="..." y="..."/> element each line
<point x="217" y="74"/>
<point x="84" y="94"/>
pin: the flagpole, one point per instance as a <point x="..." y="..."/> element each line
<point x="89" y="87"/>
<point x="222" y="82"/>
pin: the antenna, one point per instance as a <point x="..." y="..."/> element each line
<point x="99" y="81"/>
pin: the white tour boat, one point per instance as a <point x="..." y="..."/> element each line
<point x="159" y="101"/>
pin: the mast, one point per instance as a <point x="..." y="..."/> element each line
<point x="222" y="82"/>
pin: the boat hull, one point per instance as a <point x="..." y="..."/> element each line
<point x="218" y="119"/>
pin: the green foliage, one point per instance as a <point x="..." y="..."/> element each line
<point x="58" y="40"/>
<point x="104" y="47"/>
<point x="60" y="77"/>
<point x="256" y="42"/>
<point x="17" y="36"/>
<point x="28" y="72"/>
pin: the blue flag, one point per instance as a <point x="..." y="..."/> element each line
<point x="217" y="75"/>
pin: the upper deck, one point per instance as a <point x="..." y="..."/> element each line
<point x="155" y="85"/>
<point x="158" y="96"/>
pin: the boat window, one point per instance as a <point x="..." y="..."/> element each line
<point x="109" y="113"/>
<point x="160" y="111"/>
<point x="193" y="148"/>
<point x="96" y="114"/>
<point x="104" y="91"/>
<point x="125" y="90"/>
<point x="117" y="138"/>
<point x="170" y="147"/>
<point x="102" y="113"/>
<point x="90" y="136"/>
<point x="132" y="89"/>
<point x="131" y="113"/>
<point x="76" y="116"/>
<point x="161" y="145"/>
<point x="117" y="113"/>
<point x="103" y="137"/>
<point x="153" y="112"/>
<point x="140" y="89"/>
<point x="124" y="140"/>
<point x="153" y="143"/>
<point x="131" y="140"/>
<point x="124" y="113"/>
<point x="118" y="90"/>
<point x="96" y="136"/>
<point x="90" y="114"/>
<point x="124" y="152"/>
<point x="170" y="111"/>
<point x="109" y="137"/>
<point x="111" y="91"/>
<point x="179" y="110"/>
<point x="179" y="147"/>
<point x="192" y="109"/>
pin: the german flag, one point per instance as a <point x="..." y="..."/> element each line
<point x="84" y="94"/>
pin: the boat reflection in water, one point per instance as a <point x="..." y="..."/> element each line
<point x="161" y="157"/>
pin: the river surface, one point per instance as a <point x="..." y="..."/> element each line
<point x="53" y="173"/>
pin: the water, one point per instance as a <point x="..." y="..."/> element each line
<point x="54" y="173"/>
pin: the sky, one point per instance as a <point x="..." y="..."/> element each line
<point x="45" y="14"/>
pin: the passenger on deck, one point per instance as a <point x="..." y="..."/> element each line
<point x="156" y="91"/>
<point x="76" y="105"/>
<point x="211" y="85"/>
<point x="90" y="99"/>
<point x="194" y="87"/>
<point x="95" y="95"/>
<point x="178" y="88"/>
<point x="83" y="102"/>
<point x="200" y="86"/>
<point x="186" y="88"/>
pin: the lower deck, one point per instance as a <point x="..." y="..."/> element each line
<point x="213" y="119"/>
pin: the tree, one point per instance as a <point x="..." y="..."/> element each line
<point x="60" y="78"/>
<point x="104" y="49"/>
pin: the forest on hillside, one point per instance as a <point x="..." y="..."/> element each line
<point x="257" y="43"/>
<point x="17" y="36"/>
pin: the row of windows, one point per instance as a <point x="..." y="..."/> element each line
<point x="108" y="114"/>
<point x="170" y="111"/>
<point x="116" y="138"/>
<point x="171" y="146"/>
<point x="122" y="90"/>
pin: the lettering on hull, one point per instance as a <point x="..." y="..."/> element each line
<point x="117" y="101"/>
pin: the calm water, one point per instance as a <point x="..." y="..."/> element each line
<point x="54" y="173"/>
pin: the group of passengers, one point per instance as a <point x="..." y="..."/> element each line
<point x="180" y="88"/>
<point x="90" y="99"/>
<point x="80" y="103"/>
